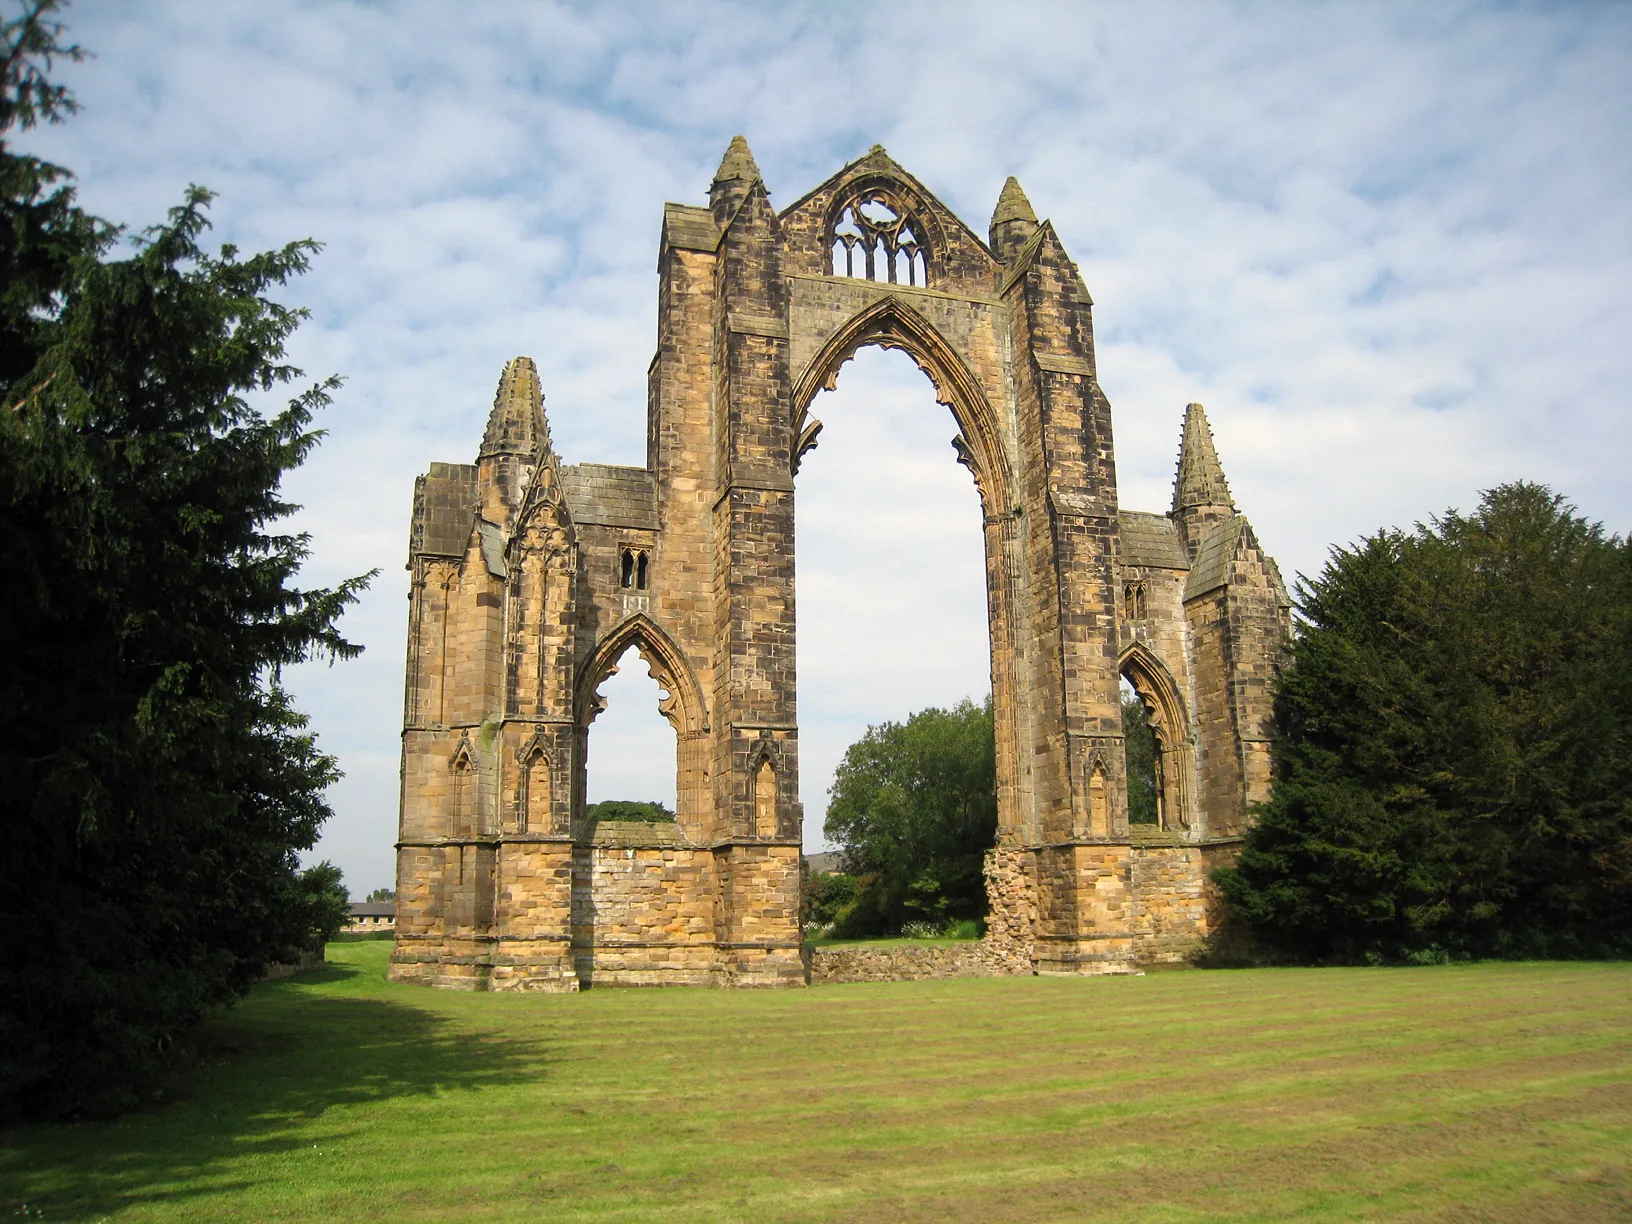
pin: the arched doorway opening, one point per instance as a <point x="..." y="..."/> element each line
<point x="665" y="755"/>
<point x="630" y="757"/>
<point x="1157" y="745"/>
<point x="892" y="606"/>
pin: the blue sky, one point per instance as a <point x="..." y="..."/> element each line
<point x="1387" y="245"/>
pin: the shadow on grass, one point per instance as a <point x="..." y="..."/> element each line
<point x="262" y="1073"/>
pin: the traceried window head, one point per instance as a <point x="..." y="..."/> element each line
<point x="874" y="238"/>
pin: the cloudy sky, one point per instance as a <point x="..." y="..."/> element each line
<point x="1387" y="245"/>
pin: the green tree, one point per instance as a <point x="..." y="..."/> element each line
<point x="382" y="894"/>
<point x="914" y="807"/>
<point x="828" y="895"/>
<point x="156" y="782"/>
<point x="328" y="904"/>
<point x="1454" y="746"/>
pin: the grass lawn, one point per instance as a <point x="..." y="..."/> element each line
<point x="1464" y="1093"/>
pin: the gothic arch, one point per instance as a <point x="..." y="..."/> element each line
<point x="1156" y="688"/>
<point x="683" y="707"/>
<point x="892" y="323"/>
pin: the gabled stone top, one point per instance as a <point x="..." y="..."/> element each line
<point x="1151" y="541"/>
<point x="611" y="496"/>
<point x="688" y="228"/>
<point x="1200" y="479"/>
<point x="1215" y="557"/>
<point x="444" y="509"/>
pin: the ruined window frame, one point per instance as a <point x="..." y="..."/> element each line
<point x="878" y="241"/>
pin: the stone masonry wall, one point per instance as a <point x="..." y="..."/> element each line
<point x="910" y="963"/>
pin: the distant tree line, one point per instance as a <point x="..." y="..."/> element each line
<point x="639" y="811"/>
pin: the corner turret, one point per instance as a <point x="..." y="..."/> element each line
<point x="1013" y="221"/>
<point x="1201" y="495"/>
<point x="737" y="173"/>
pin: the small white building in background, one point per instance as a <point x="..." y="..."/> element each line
<point x="372" y="916"/>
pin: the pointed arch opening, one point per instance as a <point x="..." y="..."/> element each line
<point x="892" y="596"/>
<point x="891" y="323"/>
<point x="1158" y="744"/>
<point x="639" y="752"/>
<point x="631" y="749"/>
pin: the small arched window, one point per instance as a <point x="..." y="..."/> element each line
<point x="874" y="238"/>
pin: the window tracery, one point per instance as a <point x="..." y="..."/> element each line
<point x="875" y="238"/>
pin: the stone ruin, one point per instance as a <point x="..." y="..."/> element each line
<point x="531" y="578"/>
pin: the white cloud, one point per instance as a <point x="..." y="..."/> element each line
<point x="1387" y="246"/>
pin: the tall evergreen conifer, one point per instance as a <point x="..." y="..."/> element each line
<point x="155" y="781"/>
<point x="1454" y="753"/>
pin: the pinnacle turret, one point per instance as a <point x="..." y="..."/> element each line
<point x="737" y="173"/>
<point x="1013" y="221"/>
<point x="1200" y="480"/>
<point x="1201" y="495"/>
<point x="516" y="424"/>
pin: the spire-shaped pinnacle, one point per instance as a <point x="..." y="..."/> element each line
<point x="737" y="164"/>
<point x="1012" y="204"/>
<point x="1013" y="221"/>
<point x="737" y="173"/>
<point x="1200" y="481"/>
<point x="516" y="425"/>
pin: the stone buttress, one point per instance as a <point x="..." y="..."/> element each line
<point x="530" y="579"/>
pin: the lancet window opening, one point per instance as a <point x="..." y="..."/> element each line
<point x="633" y="569"/>
<point x="875" y="238"/>
<point x="1134" y="595"/>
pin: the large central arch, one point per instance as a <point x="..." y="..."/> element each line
<point x="532" y="578"/>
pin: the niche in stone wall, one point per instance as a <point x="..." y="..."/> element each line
<point x="462" y="794"/>
<point x="537" y="809"/>
<point x="765" y="798"/>
<point x="1099" y="802"/>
